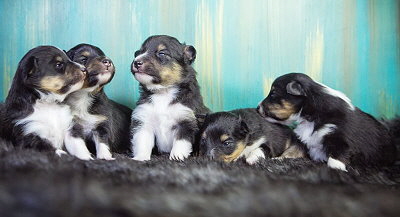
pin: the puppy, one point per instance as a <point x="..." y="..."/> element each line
<point x="99" y="121"/>
<point x="33" y="114"/>
<point x="333" y="129"/>
<point x="170" y="98"/>
<point x="244" y="133"/>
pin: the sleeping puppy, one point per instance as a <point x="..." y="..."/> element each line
<point x="98" y="121"/>
<point x="244" y="133"/>
<point x="333" y="129"/>
<point x="170" y="98"/>
<point x="33" y="113"/>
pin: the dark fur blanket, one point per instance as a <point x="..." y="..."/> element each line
<point x="43" y="184"/>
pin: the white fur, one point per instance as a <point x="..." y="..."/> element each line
<point x="80" y="101"/>
<point x="157" y="118"/>
<point x="255" y="156"/>
<point x="103" y="151"/>
<point x="141" y="56"/>
<point x="77" y="147"/>
<point x="180" y="150"/>
<point x="339" y="94"/>
<point x="253" y="152"/>
<point x="314" y="138"/>
<point x="336" y="164"/>
<point x="49" y="121"/>
<point x="60" y="152"/>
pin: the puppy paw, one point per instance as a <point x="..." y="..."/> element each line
<point x="103" y="152"/>
<point x="255" y="156"/>
<point x="141" y="158"/>
<point x="180" y="150"/>
<point x="60" y="152"/>
<point x="84" y="156"/>
<point x="336" y="164"/>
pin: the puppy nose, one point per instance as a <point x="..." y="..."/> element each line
<point x="106" y="62"/>
<point x="137" y="63"/>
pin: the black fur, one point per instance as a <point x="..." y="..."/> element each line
<point x="38" y="63"/>
<point x="359" y="139"/>
<point x="167" y="62"/>
<point x="44" y="185"/>
<point x="189" y="90"/>
<point x="114" y="131"/>
<point x="244" y="126"/>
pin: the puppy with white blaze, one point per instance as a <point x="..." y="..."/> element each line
<point x="169" y="100"/>
<point x="334" y="130"/>
<point x="100" y="124"/>
<point x="33" y="115"/>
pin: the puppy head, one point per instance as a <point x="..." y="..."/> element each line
<point x="286" y="98"/>
<point x="161" y="62"/>
<point x="223" y="136"/>
<point x="48" y="70"/>
<point x="100" y="69"/>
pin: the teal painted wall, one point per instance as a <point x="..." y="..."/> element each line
<point x="242" y="45"/>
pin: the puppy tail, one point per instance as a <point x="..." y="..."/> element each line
<point x="394" y="128"/>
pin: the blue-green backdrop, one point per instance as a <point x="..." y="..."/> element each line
<point x="242" y="45"/>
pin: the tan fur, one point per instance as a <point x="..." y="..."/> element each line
<point x="52" y="83"/>
<point x="223" y="137"/>
<point x="235" y="154"/>
<point x="161" y="47"/>
<point x="58" y="58"/>
<point x="283" y="110"/>
<point x="85" y="53"/>
<point x="293" y="151"/>
<point x="171" y="75"/>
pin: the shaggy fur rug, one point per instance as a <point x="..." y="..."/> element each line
<point x="42" y="184"/>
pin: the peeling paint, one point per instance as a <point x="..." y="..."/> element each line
<point x="242" y="45"/>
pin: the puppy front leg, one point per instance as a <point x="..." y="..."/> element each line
<point x="75" y="145"/>
<point x="337" y="151"/>
<point x="142" y="143"/>
<point x="183" y="139"/>
<point x="100" y="139"/>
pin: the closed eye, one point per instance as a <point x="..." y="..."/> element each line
<point x="227" y="142"/>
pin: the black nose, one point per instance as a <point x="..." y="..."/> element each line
<point x="106" y="62"/>
<point x="137" y="64"/>
<point x="258" y="108"/>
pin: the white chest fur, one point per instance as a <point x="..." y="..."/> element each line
<point x="159" y="117"/>
<point x="80" y="102"/>
<point x="314" y="138"/>
<point x="49" y="120"/>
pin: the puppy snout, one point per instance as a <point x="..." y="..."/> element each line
<point x="137" y="63"/>
<point x="107" y="62"/>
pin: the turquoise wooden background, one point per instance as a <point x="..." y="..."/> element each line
<point x="242" y="45"/>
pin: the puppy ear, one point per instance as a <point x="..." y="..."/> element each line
<point x="295" y="88"/>
<point x="29" y="66"/>
<point x="200" y="119"/>
<point x="189" y="54"/>
<point x="244" y="129"/>
<point x="70" y="54"/>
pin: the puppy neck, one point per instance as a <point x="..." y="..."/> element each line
<point x="51" y="98"/>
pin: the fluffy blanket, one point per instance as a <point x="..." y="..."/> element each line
<point x="42" y="184"/>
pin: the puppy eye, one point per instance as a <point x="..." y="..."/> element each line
<point x="59" y="65"/>
<point x="228" y="143"/>
<point x="162" y="54"/>
<point x="83" y="61"/>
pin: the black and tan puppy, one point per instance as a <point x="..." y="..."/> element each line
<point x="99" y="121"/>
<point x="244" y="133"/>
<point x="170" y="98"/>
<point x="33" y="114"/>
<point x="333" y="129"/>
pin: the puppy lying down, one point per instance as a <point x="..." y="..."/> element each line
<point x="334" y="130"/>
<point x="229" y="136"/>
